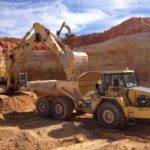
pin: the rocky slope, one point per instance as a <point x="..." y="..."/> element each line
<point x="128" y="27"/>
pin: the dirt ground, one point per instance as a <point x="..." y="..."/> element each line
<point x="21" y="128"/>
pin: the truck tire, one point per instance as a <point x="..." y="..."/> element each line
<point x="43" y="107"/>
<point x="62" y="108"/>
<point x="109" y="115"/>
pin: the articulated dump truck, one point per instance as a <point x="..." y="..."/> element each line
<point x="113" y="97"/>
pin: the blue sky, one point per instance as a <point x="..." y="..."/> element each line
<point x="83" y="16"/>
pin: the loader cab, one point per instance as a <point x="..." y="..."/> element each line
<point x="119" y="79"/>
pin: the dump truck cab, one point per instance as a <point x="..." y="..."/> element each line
<point x="122" y="78"/>
<point x="119" y="99"/>
<point x="123" y="83"/>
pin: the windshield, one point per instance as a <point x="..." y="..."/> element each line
<point x="129" y="80"/>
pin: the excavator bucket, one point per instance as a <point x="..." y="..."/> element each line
<point x="75" y="63"/>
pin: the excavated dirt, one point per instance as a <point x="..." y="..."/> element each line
<point x="21" y="128"/>
<point x="126" y="45"/>
<point x="19" y="102"/>
<point x="25" y="131"/>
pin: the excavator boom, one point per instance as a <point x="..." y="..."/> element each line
<point x="65" y="25"/>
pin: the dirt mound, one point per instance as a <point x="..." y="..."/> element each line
<point x="20" y="102"/>
<point x="7" y="44"/>
<point x="128" y="27"/>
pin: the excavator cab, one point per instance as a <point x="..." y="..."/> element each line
<point x="67" y="35"/>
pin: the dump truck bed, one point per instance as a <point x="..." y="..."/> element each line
<point x="76" y="90"/>
<point x="54" y="88"/>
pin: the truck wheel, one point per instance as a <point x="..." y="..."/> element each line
<point x="43" y="107"/>
<point x="111" y="116"/>
<point x="62" y="108"/>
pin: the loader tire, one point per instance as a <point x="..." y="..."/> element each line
<point x="43" y="107"/>
<point x="62" y="108"/>
<point x="109" y="115"/>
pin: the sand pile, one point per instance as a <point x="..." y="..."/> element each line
<point x="20" y="102"/>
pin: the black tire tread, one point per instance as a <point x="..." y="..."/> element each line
<point x="68" y="112"/>
<point x="121" y="120"/>
<point x="47" y="103"/>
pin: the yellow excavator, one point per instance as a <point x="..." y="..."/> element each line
<point x="67" y="35"/>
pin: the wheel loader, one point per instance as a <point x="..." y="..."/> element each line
<point x="113" y="97"/>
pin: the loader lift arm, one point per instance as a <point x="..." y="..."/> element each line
<point x="74" y="63"/>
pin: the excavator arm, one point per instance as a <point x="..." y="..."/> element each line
<point x="74" y="63"/>
<point x="65" y="25"/>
